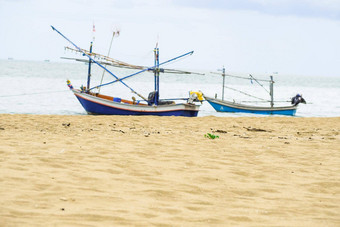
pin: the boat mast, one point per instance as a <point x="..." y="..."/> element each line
<point x="271" y="86"/>
<point x="89" y="72"/>
<point x="223" y="74"/>
<point x="156" y="73"/>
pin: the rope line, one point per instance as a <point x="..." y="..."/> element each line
<point x="259" y="83"/>
<point x="240" y="77"/>
<point x="34" y="93"/>
<point x="247" y="94"/>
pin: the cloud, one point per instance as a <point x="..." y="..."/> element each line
<point x="243" y="35"/>
<point x="329" y="9"/>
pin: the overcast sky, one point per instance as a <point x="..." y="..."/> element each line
<point x="299" y="37"/>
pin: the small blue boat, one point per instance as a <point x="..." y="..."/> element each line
<point x="226" y="106"/>
<point x="99" y="104"/>
<point x="221" y="105"/>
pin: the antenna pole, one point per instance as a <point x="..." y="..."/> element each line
<point x="223" y="74"/>
<point x="108" y="54"/>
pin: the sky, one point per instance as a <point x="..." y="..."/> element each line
<point x="295" y="37"/>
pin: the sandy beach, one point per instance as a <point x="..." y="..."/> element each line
<point x="163" y="171"/>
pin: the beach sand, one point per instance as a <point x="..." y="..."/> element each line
<point x="141" y="171"/>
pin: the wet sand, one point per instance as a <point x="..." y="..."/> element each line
<point x="163" y="171"/>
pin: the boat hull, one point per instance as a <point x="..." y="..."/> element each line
<point x="225" y="106"/>
<point x="99" y="106"/>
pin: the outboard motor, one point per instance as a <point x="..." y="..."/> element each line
<point x="195" y="96"/>
<point x="151" y="98"/>
<point x="298" y="99"/>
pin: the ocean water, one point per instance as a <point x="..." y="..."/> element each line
<point x="31" y="87"/>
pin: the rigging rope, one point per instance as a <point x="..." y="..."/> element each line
<point x="34" y="93"/>
<point x="251" y="78"/>
<point x="103" y="57"/>
<point x="90" y="58"/>
<point x="247" y="94"/>
<point x="259" y="83"/>
<point x="241" y="77"/>
<point x="263" y="101"/>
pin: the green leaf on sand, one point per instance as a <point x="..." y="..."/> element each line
<point x="211" y="136"/>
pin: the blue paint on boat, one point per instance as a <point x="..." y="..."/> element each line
<point x="226" y="106"/>
<point x="101" y="109"/>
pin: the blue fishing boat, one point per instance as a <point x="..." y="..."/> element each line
<point x="96" y="103"/>
<point x="221" y="105"/>
<point x="227" y="106"/>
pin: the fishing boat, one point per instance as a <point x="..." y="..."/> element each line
<point x="99" y="104"/>
<point x="221" y="105"/>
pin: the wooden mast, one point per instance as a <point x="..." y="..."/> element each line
<point x="89" y="71"/>
<point x="156" y="73"/>
<point x="271" y="86"/>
